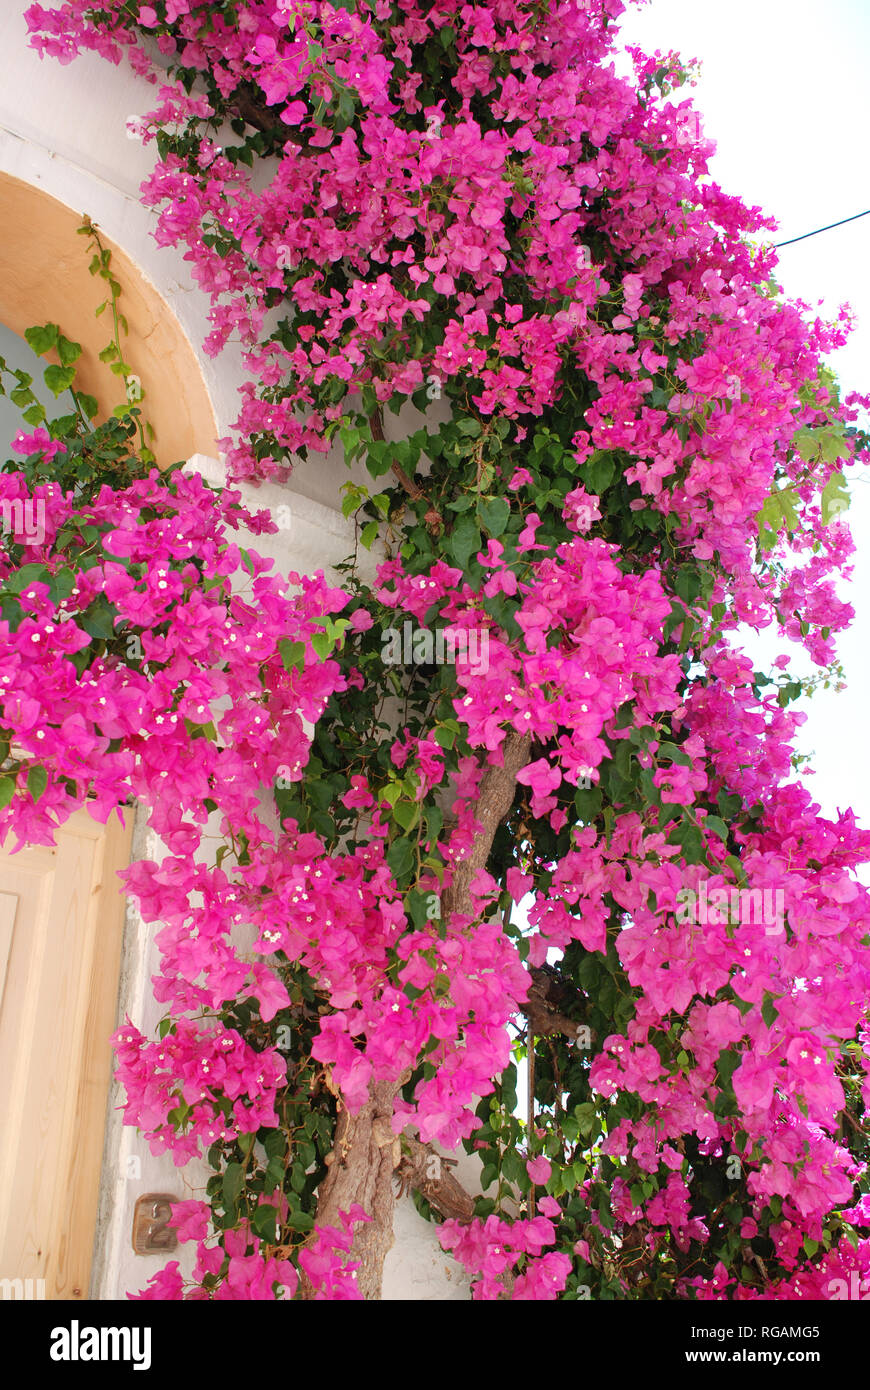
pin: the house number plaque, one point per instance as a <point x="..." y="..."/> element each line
<point x="151" y="1234"/>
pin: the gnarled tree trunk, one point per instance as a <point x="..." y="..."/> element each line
<point x="366" y="1152"/>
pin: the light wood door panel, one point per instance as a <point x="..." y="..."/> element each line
<point x="61" y="918"/>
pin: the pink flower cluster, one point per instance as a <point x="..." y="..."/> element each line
<point x="505" y="1257"/>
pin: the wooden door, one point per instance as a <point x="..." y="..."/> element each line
<point x="61" y="921"/>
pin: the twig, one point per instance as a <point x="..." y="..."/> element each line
<point x="433" y="516"/>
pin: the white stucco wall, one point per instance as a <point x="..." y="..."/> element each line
<point x="63" y="130"/>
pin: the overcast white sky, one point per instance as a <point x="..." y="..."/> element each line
<point x="784" y="93"/>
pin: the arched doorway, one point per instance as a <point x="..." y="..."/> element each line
<point x="61" y="911"/>
<point x="44" y="278"/>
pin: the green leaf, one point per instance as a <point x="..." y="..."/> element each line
<point x="368" y="534"/>
<point x="406" y="813"/>
<point x="718" y="827"/>
<point x="180" y="1114"/>
<point x="588" y="802"/>
<point x="737" y="870"/>
<point x="264" y="1220"/>
<point x="687" y="583"/>
<point x="322" y="644"/>
<point x="400" y="857"/>
<point x="201" y="730"/>
<point x="234" y="1181"/>
<point x="275" y="1171"/>
<point x="42" y="339"/>
<point x="59" y="379"/>
<point x="588" y="1119"/>
<point x="835" y="498"/>
<point x="22" y="578"/>
<point x="729" y="805"/>
<point x="298" y="1220"/>
<point x="379" y="458"/>
<point x="688" y="837"/>
<point x="513" y="1168"/>
<point x="469" y="427"/>
<point x="494" y="515"/>
<point x="98" y="620"/>
<point x="464" y="541"/>
<point x="65" y="426"/>
<point x="7" y="791"/>
<point x="488" y="1176"/>
<point x="37" y="781"/>
<point x="598" y="472"/>
<point x="68" y="351"/>
<point x="834" y="446"/>
<point x="674" y="753"/>
<point x="769" y="1010"/>
<point x="806" y="443"/>
<point x="779" y="510"/>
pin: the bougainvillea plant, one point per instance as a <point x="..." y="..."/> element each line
<point x="619" y="455"/>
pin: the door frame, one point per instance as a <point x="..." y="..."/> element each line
<point x="85" y="908"/>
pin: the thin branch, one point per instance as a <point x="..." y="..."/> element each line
<point x="433" y="517"/>
<point x="546" y="993"/>
<point x="428" y="1172"/>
